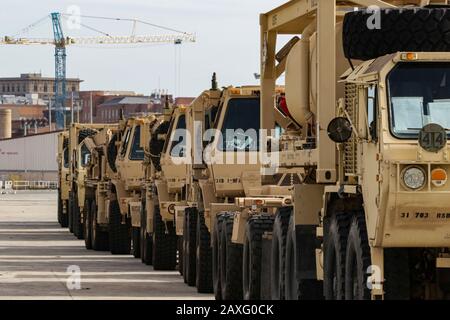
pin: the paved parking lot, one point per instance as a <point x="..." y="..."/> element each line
<point x="40" y="260"/>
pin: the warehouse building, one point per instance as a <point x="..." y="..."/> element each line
<point x="31" y="158"/>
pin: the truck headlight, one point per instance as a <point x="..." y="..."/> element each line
<point x="414" y="177"/>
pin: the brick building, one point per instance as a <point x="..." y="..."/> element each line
<point x="27" y="119"/>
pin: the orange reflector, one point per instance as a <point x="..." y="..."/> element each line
<point x="439" y="177"/>
<point x="410" y="56"/>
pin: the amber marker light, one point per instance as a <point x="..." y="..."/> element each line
<point x="439" y="177"/>
<point x="410" y="56"/>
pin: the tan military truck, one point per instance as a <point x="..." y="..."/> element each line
<point x="220" y="171"/>
<point x="63" y="177"/>
<point x="79" y="157"/>
<point x="164" y="188"/>
<point x="123" y="200"/>
<point x="195" y="248"/>
<point x="96" y="183"/>
<point x="361" y="199"/>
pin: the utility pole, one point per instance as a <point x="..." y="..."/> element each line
<point x="92" y="121"/>
<point x="71" y="112"/>
<point x="50" y="114"/>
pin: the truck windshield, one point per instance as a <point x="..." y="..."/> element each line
<point x="240" y="129"/>
<point x="137" y="152"/>
<point x="419" y="94"/>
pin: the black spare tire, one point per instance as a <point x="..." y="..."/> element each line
<point x="401" y="29"/>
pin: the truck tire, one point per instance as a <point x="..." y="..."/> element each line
<point x="300" y="254"/>
<point x="401" y="29"/>
<point x="278" y="260"/>
<point x="60" y="207"/>
<point x="164" y="244"/>
<point x="335" y="246"/>
<point x="100" y="238"/>
<point x="203" y="277"/>
<point x="76" y="215"/>
<point x="189" y="246"/>
<point x="180" y="255"/>
<point x="146" y="239"/>
<point x="119" y="234"/>
<point x="252" y="255"/>
<point x="135" y="238"/>
<point x="397" y="285"/>
<point x="230" y="262"/>
<point x="217" y="286"/>
<point x="70" y="212"/>
<point x="65" y="215"/>
<point x="357" y="260"/>
<point x="87" y="225"/>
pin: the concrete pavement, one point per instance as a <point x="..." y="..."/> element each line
<point x="40" y="260"/>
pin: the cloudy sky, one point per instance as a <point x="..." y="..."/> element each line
<point x="227" y="43"/>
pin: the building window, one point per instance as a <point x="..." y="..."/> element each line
<point x="35" y="88"/>
<point x="74" y="89"/>
<point x="45" y="88"/>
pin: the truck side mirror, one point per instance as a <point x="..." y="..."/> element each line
<point x="340" y="130"/>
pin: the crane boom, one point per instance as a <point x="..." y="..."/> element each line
<point x="143" y="39"/>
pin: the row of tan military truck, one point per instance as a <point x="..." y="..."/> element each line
<point x="334" y="185"/>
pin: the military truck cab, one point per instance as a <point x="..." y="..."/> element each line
<point x="397" y="108"/>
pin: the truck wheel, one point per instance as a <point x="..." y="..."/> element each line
<point x="180" y="255"/>
<point x="217" y="286"/>
<point x="135" y="238"/>
<point x="357" y="260"/>
<point x="146" y="239"/>
<point x="119" y="234"/>
<point x="278" y="259"/>
<point x="60" y="207"/>
<point x="70" y="212"/>
<point x="203" y="268"/>
<point x="77" y="224"/>
<point x="230" y="262"/>
<point x="401" y="29"/>
<point x="189" y="246"/>
<point x="87" y="225"/>
<point x="100" y="239"/>
<point x="164" y="244"/>
<point x="397" y="285"/>
<point x="64" y="216"/>
<point x="296" y="288"/>
<point x="335" y="245"/>
<point x="252" y="254"/>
